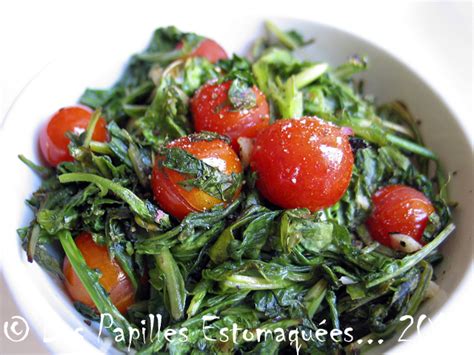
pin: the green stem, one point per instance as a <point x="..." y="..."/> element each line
<point x="33" y="238"/>
<point x="135" y="110"/>
<point x="90" y="281"/>
<point x="409" y="310"/>
<point x="361" y="126"/>
<point x="242" y="282"/>
<point x="310" y="74"/>
<point x="136" y="204"/>
<point x="125" y="263"/>
<point x="162" y="57"/>
<point x="199" y="293"/>
<point x="140" y="91"/>
<point x="38" y="169"/>
<point x="100" y="148"/>
<point x="411" y="146"/>
<point x="396" y="127"/>
<point x="91" y="127"/>
<point x="334" y="315"/>
<point x="315" y="296"/>
<point x="281" y="36"/>
<point x="137" y="164"/>
<point x="174" y="283"/>
<point x="399" y="267"/>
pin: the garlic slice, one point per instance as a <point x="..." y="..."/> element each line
<point x="404" y="243"/>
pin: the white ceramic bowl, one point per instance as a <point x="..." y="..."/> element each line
<point x="43" y="300"/>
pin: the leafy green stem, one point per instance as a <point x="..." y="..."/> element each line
<point x="100" y="148"/>
<point x="284" y="38"/>
<point x="38" y="169"/>
<point x="243" y="282"/>
<point x="310" y="74"/>
<point x="90" y="280"/>
<point x="174" y="283"/>
<point x="91" y="127"/>
<point x="411" y="146"/>
<point x="136" y="204"/>
<point x="315" y="296"/>
<point x="399" y="267"/>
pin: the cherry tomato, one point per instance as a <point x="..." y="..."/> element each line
<point x="303" y="162"/>
<point x="208" y="49"/>
<point x="213" y="112"/>
<point x="53" y="141"/>
<point x="173" y="197"/>
<point x="113" y="279"/>
<point x="398" y="209"/>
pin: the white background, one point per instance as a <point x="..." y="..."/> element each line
<point x="434" y="38"/>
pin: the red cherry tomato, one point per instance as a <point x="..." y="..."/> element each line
<point x="174" y="198"/>
<point x="213" y="112"/>
<point x="302" y="163"/>
<point x="208" y="49"/>
<point x="113" y="278"/>
<point x="53" y="141"/>
<point x="398" y="209"/>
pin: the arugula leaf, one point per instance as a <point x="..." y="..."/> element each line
<point x="202" y="175"/>
<point x="256" y="224"/>
<point x="90" y="279"/>
<point x="236" y="68"/>
<point x="174" y="283"/>
<point x="299" y="227"/>
<point x="166" y="117"/>
<point x="241" y="96"/>
<point x="281" y="76"/>
<point x="290" y="39"/>
<point x="143" y="210"/>
<point x="398" y="267"/>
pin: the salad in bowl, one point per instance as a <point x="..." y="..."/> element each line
<point x="228" y="204"/>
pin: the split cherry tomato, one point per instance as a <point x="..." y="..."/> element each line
<point x="179" y="201"/>
<point x="208" y="49"/>
<point x="113" y="279"/>
<point x="398" y="209"/>
<point x="303" y="162"/>
<point x="53" y="141"/>
<point x="213" y="112"/>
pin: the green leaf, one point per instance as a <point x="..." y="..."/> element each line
<point x="174" y="283"/>
<point x="90" y="280"/>
<point x="203" y="176"/>
<point x="290" y="39"/>
<point x="166" y="117"/>
<point x="241" y="96"/>
<point x="398" y="267"/>
<point x="138" y="206"/>
<point x="298" y="226"/>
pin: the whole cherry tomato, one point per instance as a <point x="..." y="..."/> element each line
<point x="213" y="112"/>
<point x="303" y="162"/>
<point x="398" y="209"/>
<point x="208" y="49"/>
<point x="53" y="141"/>
<point x="113" y="279"/>
<point x="175" y="198"/>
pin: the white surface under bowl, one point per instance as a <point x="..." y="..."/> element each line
<point x="43" y="301"/>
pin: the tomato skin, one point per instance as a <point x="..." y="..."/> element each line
<point x="176" y="200"/>
<point x="53" y="141"/>
<point x="398" y="209"/>
<point x="113" y="279"/>
<point x="213" y="112"/>
<point x="208" y="49"/>
<point x="302" y="163"/>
